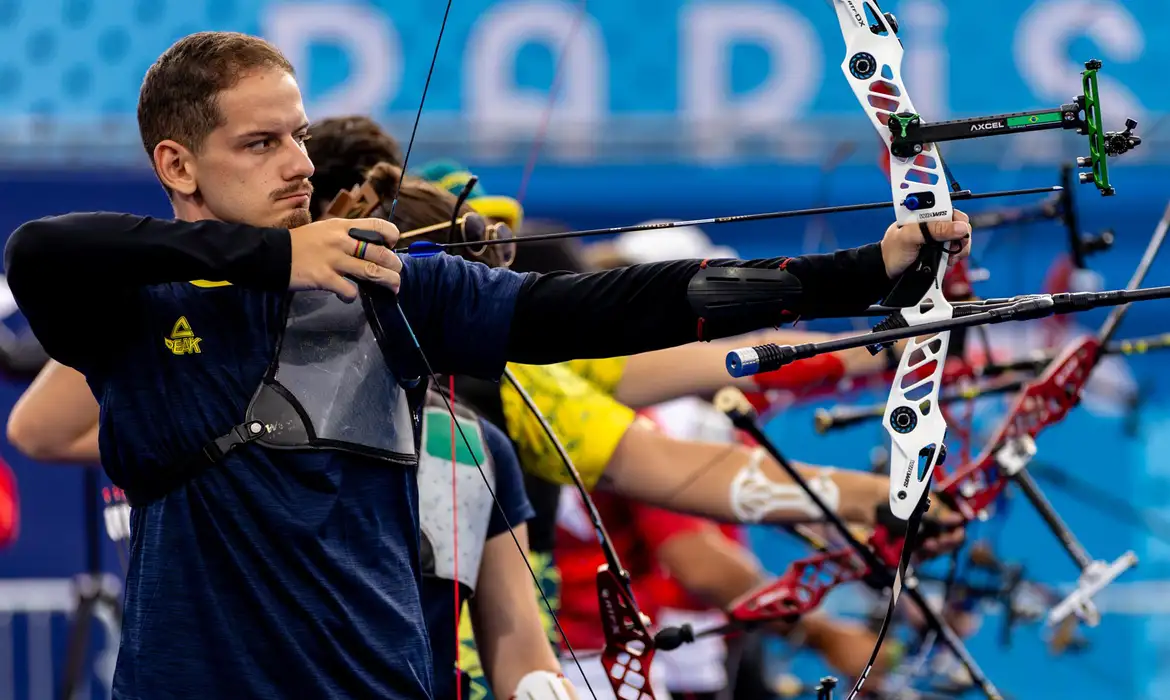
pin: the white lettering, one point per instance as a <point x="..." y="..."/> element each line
<point x="986" y="125"/>
<point x="367" y="37"/>
<point x="856" y="14"/>
<point x="500" y="110"/>
<point x="712" y="115"/>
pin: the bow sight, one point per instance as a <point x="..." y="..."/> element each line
<point x="910" y="134"/>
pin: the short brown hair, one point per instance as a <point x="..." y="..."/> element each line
<point x="179" y="95"/>
<point x="343" y="150"/>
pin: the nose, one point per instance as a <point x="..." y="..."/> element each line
<point x="298" y="166"/>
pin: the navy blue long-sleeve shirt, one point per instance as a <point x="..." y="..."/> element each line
<point x="283" y="574"/>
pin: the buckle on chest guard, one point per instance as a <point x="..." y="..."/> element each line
<point x="239" y="435"/>
<point x="195" y="463"/>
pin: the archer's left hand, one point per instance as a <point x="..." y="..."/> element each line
<point x="901" y="244"/>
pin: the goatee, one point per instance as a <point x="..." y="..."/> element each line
<point x="299" y="217"/>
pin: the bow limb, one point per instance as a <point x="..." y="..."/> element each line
<point x="920" y="185"/>
<point x="873" y="67"/>
<point x="629" y="646"/>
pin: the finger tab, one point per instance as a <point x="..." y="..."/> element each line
<point x="366" y="236"/>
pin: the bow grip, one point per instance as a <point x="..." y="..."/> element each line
<point x="912" y="285"/>
<point x="917" y="279"/>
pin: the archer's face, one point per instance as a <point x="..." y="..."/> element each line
<point x="253" y="168"/>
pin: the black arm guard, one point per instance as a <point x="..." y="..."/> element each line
<point x="734" y="300"/>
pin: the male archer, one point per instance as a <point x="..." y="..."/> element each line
<point x="264" y="572"/>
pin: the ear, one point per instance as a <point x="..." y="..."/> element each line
<point x="175" y="165"/>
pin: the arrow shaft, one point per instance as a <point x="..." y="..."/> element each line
<point x="741" y="218"/>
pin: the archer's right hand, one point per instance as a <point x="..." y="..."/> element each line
<point x="325" y="256"/>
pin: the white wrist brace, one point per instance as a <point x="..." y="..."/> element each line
<point x="117" y="517"/>
<point x="754" y="495"/>
<point x="542" y="685"/>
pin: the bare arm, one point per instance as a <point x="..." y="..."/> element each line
<point x="698" y="369"/>
<point x="710" y="566"/>
<point x="504" y="613"/>
<point x="697" y="477"/>
<point x="56" y="420"/>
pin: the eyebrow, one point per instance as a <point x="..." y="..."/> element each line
<point x="264" y="133"/>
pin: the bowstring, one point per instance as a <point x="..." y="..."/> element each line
<point x="456" y="425"/>
<point x="546" y="118"/>
<point x="458" y="599"/>
<point x="495" y="499"/>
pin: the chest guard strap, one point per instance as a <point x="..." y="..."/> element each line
<point x="164" y="481"/>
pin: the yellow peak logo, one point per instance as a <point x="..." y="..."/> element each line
<point x="182" y="340"/>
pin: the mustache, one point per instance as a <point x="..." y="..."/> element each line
<point x="305" y="188"/>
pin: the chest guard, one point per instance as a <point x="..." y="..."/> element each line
<point x="337" y="383"/>
<point x="332" y="385"/>
<point x="452" y="493"/>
